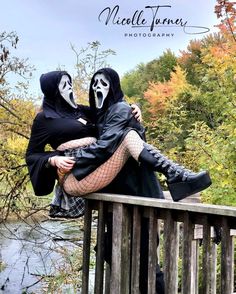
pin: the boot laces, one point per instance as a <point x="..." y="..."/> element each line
<point x="172" y="168"/>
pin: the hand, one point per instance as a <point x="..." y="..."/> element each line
<point x="64" y="163"/>
<point x="136" y="112"/>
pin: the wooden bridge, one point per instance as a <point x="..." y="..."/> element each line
<point x="186" y="232"/>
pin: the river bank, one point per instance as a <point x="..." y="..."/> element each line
<point x="39" y="256"/>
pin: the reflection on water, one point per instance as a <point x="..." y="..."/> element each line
<point x="29" y="252"/>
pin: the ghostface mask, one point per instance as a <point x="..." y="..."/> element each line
<point x="101" y="88"/>
<point x="65" y="89"/>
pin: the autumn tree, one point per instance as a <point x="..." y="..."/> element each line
<point x="213" y="145"/>
<point x="169" y="113"/>
<point x="88" y="61"/>
<point x="195" y="124"/>
<point x="226" y="11"/>
<point x="135" y="82"/>
<point x="16" y="113"/>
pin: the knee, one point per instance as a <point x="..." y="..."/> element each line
<point x="131" y="135"/>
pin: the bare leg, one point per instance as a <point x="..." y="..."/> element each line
<point x="132" y="145"/>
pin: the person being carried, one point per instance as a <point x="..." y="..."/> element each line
<point x="120" y="136"/>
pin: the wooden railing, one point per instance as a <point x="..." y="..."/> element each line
<point x="186" y="243"/>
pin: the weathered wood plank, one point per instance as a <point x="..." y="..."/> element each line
<point x="206" y="264"/>
<point x="195" y="198"/>
<point x="226" y="259"/>
<point x="86" y="247"/>
<point x="187" y="253"/>
<point x="107" y="278"/>
<point x="166" y="204"/>
<point x="126" y="250"/>
<point x="135" y="268"/>
<point x="99" y="270"/>
<point x="171" y="245"/>
<point x="195" y="267"/>
<point x="120" y="270"/>
<point x="152" y="250"/>
<point x="116" y="266"/>
<point x="213" y="254"/>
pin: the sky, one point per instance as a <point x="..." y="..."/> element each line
<point x="138" y="31"/>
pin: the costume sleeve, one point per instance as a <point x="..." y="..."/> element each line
<point x="89" y="158"/>
<point x="41" y="176"/>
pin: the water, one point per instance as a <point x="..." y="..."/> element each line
<point x="29" y="251"/>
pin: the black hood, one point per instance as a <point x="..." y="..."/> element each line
<point x="54" y="105"/>
<point x="115" y="93"/>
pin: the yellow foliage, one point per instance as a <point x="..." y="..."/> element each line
<point x="159" y="94"/>
<point x="16" y="144"/>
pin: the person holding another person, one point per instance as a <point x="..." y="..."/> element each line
<point x="62" y="123"/>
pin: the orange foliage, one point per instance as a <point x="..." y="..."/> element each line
<point x="193" y="49"/>
<point x="222" y="56"/>
<point x="157" y="94"/>
<point x="226" y="11"/>
<point x="160" y="94"/>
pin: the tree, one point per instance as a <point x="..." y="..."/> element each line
<point x="226" y="11"/>
<point x="88" y="61"/>
<point x="195" y="124"/>
<point x="190" y="60"/>
<point x="135" y="82"/>
<point x="169" y="101"/>
<point x="16" y="113"/>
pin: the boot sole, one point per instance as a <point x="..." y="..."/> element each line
<point x="182" y="190"/>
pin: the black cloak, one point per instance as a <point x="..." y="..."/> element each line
<point x="57" y="123"/>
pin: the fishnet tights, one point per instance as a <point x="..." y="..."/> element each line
<point x="132" y="145"/>
<point x="76" y="143"/>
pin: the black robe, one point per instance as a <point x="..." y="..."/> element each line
<point x="57" y="123"/>
<point x="51" y="131"/>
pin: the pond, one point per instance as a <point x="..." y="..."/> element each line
<point x="29" y="251"/>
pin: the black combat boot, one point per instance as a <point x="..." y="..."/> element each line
<point x="181" y="181"/>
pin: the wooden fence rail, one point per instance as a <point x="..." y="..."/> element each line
<point x="185" y="230"/>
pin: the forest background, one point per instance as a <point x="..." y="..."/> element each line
<point x="188" y="104"/>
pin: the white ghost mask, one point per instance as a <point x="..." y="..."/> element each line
<point x="101" y="88"/>
<point x="65" y="89"/>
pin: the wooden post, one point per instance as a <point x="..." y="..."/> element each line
<point x="195" y="267"/>
<point x="99" y="271"/>
<point x="120" y="269"/>
<point x="187" y="253"/>
<point x="206" y="264"/>
<point x="116" y="248"/>
<point x="171" y="253"/>
<point x="107" y="279"/>
<point x="86" y="247"/>
<point x="213" y="253"/>
<point x="126" y="250"/>
<point x="135" y="268"/>
<point x="152" y="250"/>
<point x="226" y="259"/>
